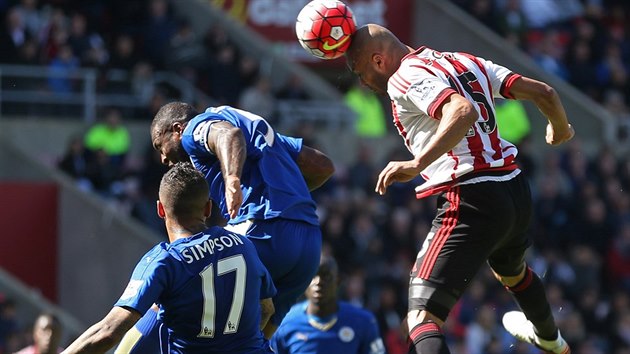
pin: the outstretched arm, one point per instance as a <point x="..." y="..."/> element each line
<point x="105" y="334"/>
<point x="228" y="143"/>
<point x="315" y="166"/>
<point x="548" y="102"/>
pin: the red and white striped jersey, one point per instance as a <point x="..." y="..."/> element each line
<point x="423" y="81"/>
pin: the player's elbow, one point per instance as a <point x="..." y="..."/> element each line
<point x="545" y="95"/>
<point x="466" y="111"/>
<point x="327" y="168"/>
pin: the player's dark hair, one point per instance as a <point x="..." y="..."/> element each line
<point x="183" y="190"/>
<point x="174" y="112"/>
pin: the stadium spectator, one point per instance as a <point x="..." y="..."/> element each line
<point x="513" y="121"/>
<point x="78" y="163"/>
<point x="292" y="89"/>
<point x="258" y="99"/>
<point x="9" y="325"/>
<point x="370" y="116"/>
<point x="46" y="336"/>
<point x="168" y="268"/>
<point x="111" y="136"/>
<point x="13" y="34"/>
<point x="61" y="69"/>
<point x="185" y="53"/>
<point x="124" y="54"/>
<point x="157" y="31"/>
<point x="325" y="324"/>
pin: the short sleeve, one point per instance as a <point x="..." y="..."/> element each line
<point x="195" y="137"/>
<point x="148" y="281"/>
<point x="372" y="342"/>
<point x="277" y="342"/>
<point x="293" y="145"/>
<point x="501" y="78"/>
<point x="429" y="93"/>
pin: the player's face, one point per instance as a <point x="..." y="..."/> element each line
<point x="323" y="287"/>
<point x="369" y="74"/>
<point x="169" y="144"/>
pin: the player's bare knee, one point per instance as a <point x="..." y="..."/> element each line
<point x="416" y="317"/>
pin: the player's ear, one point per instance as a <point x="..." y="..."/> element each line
<point x="378" y="60"/>
<point x="178" y="127"/>
<point x="160" y="209"/>
<point x="207" y="209"/>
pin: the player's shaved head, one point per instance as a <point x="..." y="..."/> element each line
<point x="183" y="191"/>
<point x="374" y="55"/>
<point x="369" y="39"/>
<point x="174" y="112"/>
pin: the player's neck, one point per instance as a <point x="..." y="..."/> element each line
<point x="322" y="309"/>
<point x="177" y="230"/>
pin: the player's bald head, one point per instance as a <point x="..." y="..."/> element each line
<point x="369" y="39"/>
<point x="183" y="191"/>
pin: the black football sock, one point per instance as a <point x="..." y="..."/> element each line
<point x="530" y="295"/>
<point x="427" y="337"/>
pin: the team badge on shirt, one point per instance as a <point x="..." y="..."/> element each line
<point x="346" y="334"/>
<point x="423" y="89"/>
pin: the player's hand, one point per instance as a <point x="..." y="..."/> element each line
<point x="558" y="136"/>
<point x="397" y="171"/>
<point x="233" y="195"/>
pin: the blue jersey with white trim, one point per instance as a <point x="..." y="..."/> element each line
<point x="209" y="288"/>
<point x="354" y="332"/>
<point x="271" y="181"/>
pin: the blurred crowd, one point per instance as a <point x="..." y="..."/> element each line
<point x="584" y="42"/>
<point x="127" y="42"/>
<point x="581" y="229"/>
<point x="581" y="234"/>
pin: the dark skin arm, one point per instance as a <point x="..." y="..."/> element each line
<point x="456" y="116"/>
<point x="103" y="335"/>
<point x="315" y="166"/>
<point x="548" y="102"/>
<point x="228" y="143"/>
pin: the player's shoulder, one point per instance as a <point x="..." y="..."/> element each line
<point x="159" y="251"/>
<point x="298" y="310"/>
<point x="360" y="314"/>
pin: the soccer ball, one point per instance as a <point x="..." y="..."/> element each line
<point x="324" y="27"/>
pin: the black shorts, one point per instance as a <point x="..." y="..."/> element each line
<point x="475" y="223"/>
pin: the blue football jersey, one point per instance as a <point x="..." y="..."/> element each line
<point x="354" y="332"/>
<point x="272" y="183"/>
<point x="209" y="288"/>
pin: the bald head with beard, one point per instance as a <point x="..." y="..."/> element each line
<point x="374" y="55"/>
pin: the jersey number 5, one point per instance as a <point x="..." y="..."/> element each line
<point x="473" y="88"/>
<point x="226" y="265"/>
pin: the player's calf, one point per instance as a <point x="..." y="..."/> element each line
<point x="425" y="333"/>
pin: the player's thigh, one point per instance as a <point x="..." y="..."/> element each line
<point x="292" y="257"/>
<point x="471" y="220"/>
<point x="508" y="257"/>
